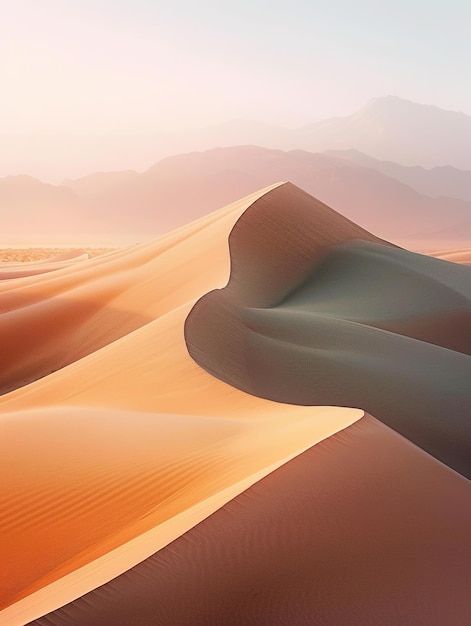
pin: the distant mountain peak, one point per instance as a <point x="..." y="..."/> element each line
<point x="396" y="104"/>
<point x="14" y="179"/>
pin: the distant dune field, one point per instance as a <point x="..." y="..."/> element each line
<point x="26" y="255"/>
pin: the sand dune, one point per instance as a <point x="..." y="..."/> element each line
<point x="84" y="483"/>
<point x="110" y="422"/>
<point x="111" y="296"/>
<point x="114" y="443"/>
<point x="367" y="325"/>
<point x="363" y="528"/>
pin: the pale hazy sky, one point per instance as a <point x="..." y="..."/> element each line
<point x="128" y="66"/>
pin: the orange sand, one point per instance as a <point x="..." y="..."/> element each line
<point x="363" y="528"/>
<point x="114" y="443"/>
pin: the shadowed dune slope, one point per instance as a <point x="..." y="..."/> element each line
<point x="358" y="324"/>
<point x="360" y="530"/>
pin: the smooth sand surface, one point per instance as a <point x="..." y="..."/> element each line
<point x="133" y="436"/>
<point x="362" y="529"/>
<point x="358" y="323"/>
<point x="114" y="443"/>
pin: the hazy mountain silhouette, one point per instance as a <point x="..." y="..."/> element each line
<point x="387" y="128"/>
<point x="27" y="205"/>
<point x="100" y="183"/>
<point x="435" y="182"/>
<point x="398" y="130"/>
<point x="183" y="187"/>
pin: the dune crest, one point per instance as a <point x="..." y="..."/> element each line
<point x="96" y="303"/>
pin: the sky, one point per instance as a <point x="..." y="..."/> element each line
<point x="93" y="68"/>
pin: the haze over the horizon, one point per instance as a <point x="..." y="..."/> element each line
<point x="81" y="75"/>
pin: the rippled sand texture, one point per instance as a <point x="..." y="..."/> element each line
<point x="363" y="528"/>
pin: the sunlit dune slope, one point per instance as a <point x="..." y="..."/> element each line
<point x="365" y="325"/>
<point x="363" y="528"/>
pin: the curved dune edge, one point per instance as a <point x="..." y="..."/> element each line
<point x="93" y="304"/>
<point x="127" y="555"/>
<point x="318" y="312"/>
<point x="98" y="496"/>
<point x="363" y="528"/>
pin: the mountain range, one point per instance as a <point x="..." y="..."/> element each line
<point x="184" y="187"/>
<point x="357" y="164"/>
<point x="387" y="128"/>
